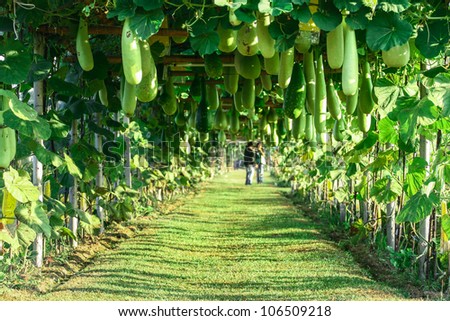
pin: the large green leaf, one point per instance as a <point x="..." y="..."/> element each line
<point x="88" y="218"/>
<point x="350" y="5"/>
<point x="58" y="127"/>
<point x="13" y="241"/>
<point x="432" y="39"/>
<point x="411" y="112"/>
<point x="327" y="17"/>
<point x="393" y="5"/>
<point x="387" y="131"/>
<point x="149" y="5"/>
<point x="20" y="109"/>
<point x="203" y="26"/>
<point x="384" y="160"/>
<point x="205" y="43"/>
<point x="301" y="2"/>
<point x="25" y="235"/>
<point x="439" y="92"/>
<point x="20" y="187"/>
<point x="281" y="6"/>
<point x="39" y="128"/>
<point x="40" y="69"/>
<point x="416" y="176"/>
<point x="301" y="13"/>
<point x="446" y="224"/>
<point x="123" y="9"/>
<point x="284" y="30"/>
<point x="35" y="216"/>
<point x="418" y="207"/>
<point x="358" y="20"/>
<point x="15" y="61"/>
<point x="148" y="24"/>
<point x="45" y="156"/>
<point x="72" y="167"/>
<point x="62" y="87"/>
<point x="386" y="190"/>
<point x="386" y="93"/>
<point x="368" y="142"/>
<point x="387" y="30"/>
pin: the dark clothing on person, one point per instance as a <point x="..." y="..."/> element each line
<point x="249" y="156"/>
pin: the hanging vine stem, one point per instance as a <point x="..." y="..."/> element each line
<point x="26" y="6"/>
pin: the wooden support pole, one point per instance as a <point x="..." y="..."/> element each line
<point x="38" y="169"/>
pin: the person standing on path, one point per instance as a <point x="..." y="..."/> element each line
<point x="260" y="160"/>
<point x="249" y="162"/>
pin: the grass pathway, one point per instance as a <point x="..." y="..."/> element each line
<point x="231" y="242"/>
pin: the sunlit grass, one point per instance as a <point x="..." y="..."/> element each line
<point x="231" y="242"/>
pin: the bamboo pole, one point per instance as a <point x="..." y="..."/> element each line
<point x="99" y="177"/>
<point x="127" y="154"/>
<point x="38" y="169"/>
<point x="424" y="225"/>
<point x="73" y="193"/>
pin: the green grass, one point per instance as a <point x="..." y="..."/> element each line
<point x="231" y="242"/>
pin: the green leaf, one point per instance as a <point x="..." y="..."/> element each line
<point x="281" y="6"/>
<point x="432" y="39"/>
<point x="20" y="109"/>
<point x="415" y="176"/>
<point x="387" y="131"/>
<point x="20" y="187"/>
<point x="300" y="2"/>
<point x="72" y="167"/>
<point x="358" y="20"/>
<point x="439" y="92"/>
<point x="201" y="27"/>
<point x="387" y="30"/>
<point x="35" y="216"/>
<point x="393" y="5"/>
<point x="433" y="72"/>
<point x="412" y="112"/>
<point x="45" y="156"/>
<point x="386" y="190"/>
<point x="58" y="127"/>
<point x="148" y="24"/>
<point x="245" y="15"/>
<point x="83" y="151"/>
<point x="100" y="130"/>
<point x="285" y="42"/>
<point x="62" y="87"/>
<point x="25" y="235"/>
<point x="327" y="17"/>
<point x="386" y="93"/>
<point x="40" y="69"/>
<point x="350" y="5"/>
<point x="15" y="61"/>
<point x="445" y="223"/>
<point x="149" y="5"/>
<point x="301" y="13"/>
<point x="88" y="218"/>
<point x="205" y="43"/>
<point x="39" y="128"/>
<point x="418" y="207"/>
<point x="14" y="242"/>
<point x="341" y="195"/>
<point x="384" y="160"/>
<point x="368" y="142"/>
<point x="123" y="9"/>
